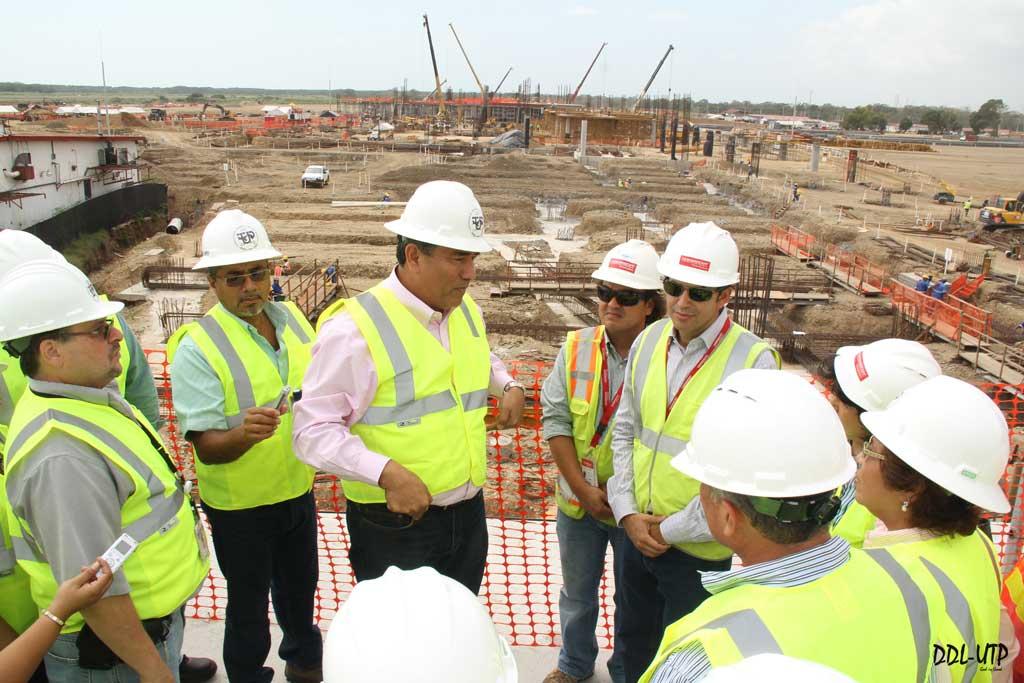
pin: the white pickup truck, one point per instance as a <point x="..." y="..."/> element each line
<point x="316" y="176"/>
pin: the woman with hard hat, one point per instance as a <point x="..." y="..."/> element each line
<point x="928" y="475"/>
<point x="868" y="378"/>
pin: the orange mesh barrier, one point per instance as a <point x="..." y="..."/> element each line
<point x="855" y="270"/>
<point x="949" y="318"/>
<point x="523" y="573"/>
<point x="793" y="242"/>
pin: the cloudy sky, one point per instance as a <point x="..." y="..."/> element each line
<point x="846" y="52"/>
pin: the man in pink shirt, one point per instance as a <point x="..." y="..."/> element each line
<point x="395" y="397"/>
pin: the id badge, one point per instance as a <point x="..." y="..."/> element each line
<point x="204" y="546"/>
<point x="589" y="471"/>
<point x="567" y="493"/>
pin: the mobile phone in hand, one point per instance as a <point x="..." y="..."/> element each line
<point x="116" y="554"/>
<point x="282" y="399"/>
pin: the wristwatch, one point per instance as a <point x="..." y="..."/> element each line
<point x="513" y="385"/>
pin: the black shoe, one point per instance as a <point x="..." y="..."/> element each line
<point x="196" y="669"/>
<point x="298" y="674"/>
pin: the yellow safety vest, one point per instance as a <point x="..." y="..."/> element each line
<point x="170" y="562"/>
<point x="16" y="606"/>
<point x="967" y="584"/>
<point x="269" y="472"/>
<point x="123" y="354"/>
<point x="867" y="619"/>
<point x="583" y="367"/>
<point x="428" y="412"/>
<point x="659" y="488"/>
<point x="855" y="524"/>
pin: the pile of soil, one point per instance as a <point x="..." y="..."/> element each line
<point x="598" y="221"/>
<point x="578" y="207"/>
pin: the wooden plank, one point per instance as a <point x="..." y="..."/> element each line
<point x="992" y="366"/>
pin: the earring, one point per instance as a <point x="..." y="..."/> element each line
<point x="905" y="505"/>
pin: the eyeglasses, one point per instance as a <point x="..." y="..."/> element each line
<point x="625" y="297"/>
<point x="870" y="452"/>
<point x="258" y="275"/>
<point x="698" y="294"/>
<point x="102" y="332"/>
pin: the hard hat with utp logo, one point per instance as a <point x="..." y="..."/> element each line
<point x="234" y="237"/>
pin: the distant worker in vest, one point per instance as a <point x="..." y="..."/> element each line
<point x="580" y="398"/>
<point x="85" y="471"/>
<point x="234" y="375"/>
<point x="864" y="378"/>
<point x="769" y="453"/>
<point x="396" y="395"/>
<point x="968" y="203"/>
<point x="446" y="634"/>
<point x="673" y="366"/>
<point x="929" y="475"/>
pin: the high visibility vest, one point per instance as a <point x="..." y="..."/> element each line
<point x="867" y="619"/>
<point x="428" y="412"/>
<point x="583" y="367"/>
<point x="659" y="488"/>
<point x="967" y="584"/>
<point x="123" y="354"/>
<point x="170" y="561"/>
<point x="16" y="606"/>
<point x="855" y="524"/>
<point x="1013" y="599"/>
<point x="269" y="472"/>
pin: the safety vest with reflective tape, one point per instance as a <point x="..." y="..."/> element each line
<point x="967" y="583"/>
<point x="855" y="524"/>
<point x="16" y="606"/>
<point x="123" y="354"/>
<point x="167" y="566"/>
<point x="867" y="619"/>
<point x="659" y="488"/>
<point x="269" y="472"/>
<point x="428" y="412"/>
<point x="1013" y="599"/>
<point x="583" y="367"/>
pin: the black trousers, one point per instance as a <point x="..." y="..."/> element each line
<point x="452" y="540"/>
<point x="654" y="594"/>
<point x="271" y="548"/>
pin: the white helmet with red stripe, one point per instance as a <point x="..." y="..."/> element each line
<point x="872" y="376"/>
<point x="632" y="264"/>
<point x="701" y="254"/>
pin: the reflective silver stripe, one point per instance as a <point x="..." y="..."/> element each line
<point x="25" y="434"/>
<point x="6" y="402"/>
<point x="582" y="375"/>
<point x="473" y="400"/>
<point x="992" y="556"/>
<point x="661" y="442"/>
<point x="469" y="319"/>
<point x="959" y="613"/>
<point x="26" y="551"/>
<point x="414" y="410"/>
<point x="642" y="360"/>
<point x="913" y="600"/>
<point x="293" y="324"/>
<point x="240" y="376"/>
<point x="746" y="629"/>
<point x="405" y="388"/>
<point x="584" y="359"/>
<point x="738" y="356"/>
<point x="6" y="561"/>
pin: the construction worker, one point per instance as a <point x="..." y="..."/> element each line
<point x="74" y="439"/>
<point x="396" y="394"/>
<point x="924" y="284"/>
<point x="800" y="592"/>
<point x="445" y="633"/>
<point x="967" y="206"/>
<point x="1013" y="602"/>
<point x="940" y="290"/>
<point x="673" y="366"/>
<point x="869" y="378"/>
<point x="234" y="374"/>
<point x="928" y="475"/>
<point x="579" y="399"/>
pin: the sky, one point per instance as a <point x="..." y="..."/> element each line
<point x="846" y="52"/>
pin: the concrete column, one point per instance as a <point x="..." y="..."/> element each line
<point x="815" y="157"/>
<point x="583" y="141"/>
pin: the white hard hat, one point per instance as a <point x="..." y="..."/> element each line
<point x="767" y="433"/>
<point x="18" y="247"/>
<point x="952" y="433"/>
<point x="48" y="295"/>
<point x="875" y="374"/>
<point x="701" y="254"/>
<point x="773" y="668"/>
<point x="233" y="237"/>
<point x="444" y="213"/>
<point x="441" y="631"/>
<point x="632" y="264"/>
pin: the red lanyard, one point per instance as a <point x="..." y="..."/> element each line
<point x="609" y="403"/>
<point x="698" y="366"/>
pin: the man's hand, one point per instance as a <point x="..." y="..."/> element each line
<point x="638" y="528"/>
<point x="510" y="409"/>
<point x="595" y="501"/>
<point x="259" y="424"/>
<point x="406" y="493"/>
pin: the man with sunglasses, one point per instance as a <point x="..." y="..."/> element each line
<point x="673" y="366"/>
<point x="234" y="374"/>
<point x="85" y="469"/>
<point x="580" y="398"/>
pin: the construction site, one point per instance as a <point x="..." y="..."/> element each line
<point x="834" y="233"/>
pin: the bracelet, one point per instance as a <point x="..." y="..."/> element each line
<point x="53" y="617"/>
<point x="513" y="385"/>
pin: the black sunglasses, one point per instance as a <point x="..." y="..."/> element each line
<point x="238" y="280"/>
<point x="625" y="297"/>
<point x="698" y="294"/>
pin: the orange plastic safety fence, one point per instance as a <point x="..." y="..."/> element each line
<point x="855" y="270"/>
<point x="948" y="317"/>
<point x="793" y="242"/>
<point x="523" y="573"/>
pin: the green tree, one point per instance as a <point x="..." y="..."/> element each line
<point x="196" y="97"/>
<point x="988" y="116"/>
<point x="940" y="121"/>
<point x="906" y="123"/>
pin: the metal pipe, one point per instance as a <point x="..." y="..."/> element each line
<point x="636" y="106"/>
<point x="584" y="79"/>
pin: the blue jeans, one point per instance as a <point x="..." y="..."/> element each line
<point x="582" y="544"/>
<point x="62" y="659"/>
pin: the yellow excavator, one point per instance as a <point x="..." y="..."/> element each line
<point x="1003" y="214"/>
<point x="225" y="115"/>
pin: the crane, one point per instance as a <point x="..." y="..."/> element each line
<point x="483" y="90"/>
<point x="584" y="80"/>
<point x="636" y="106"/>
<point x="502" y="81"/>
<point x="435" y="92"/>
<point x="441" y="113"/>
